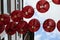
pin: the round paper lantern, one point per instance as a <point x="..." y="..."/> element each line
<point x="58" y="25"/>
<point x="2" y="27"/>
<point x="11" y="28"/>
<point x="28" y="11"/>
<point x="22" y="27"/>
<point x="49" y="25"/>
<point x="34" y="25"/>
<point x="4" y="18"/>
<point x="42" y="7"/>
<point x="56" y="1"/>
<point x="17" y="15"/>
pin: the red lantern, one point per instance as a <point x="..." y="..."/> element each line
<point x="11" y="28"/>
<point x="22" y="27"/>
<point x="56" y="1"/>
<point x="17" y="15"/>
<point x="2" y="27"/>
<point x="58" y="25"/>
<point x="34" y="25"/>
<point x="49" y="25"/>
<point x="42" y="6"/>
<point x="28" y="12"/>
<point x="4" y="18"/>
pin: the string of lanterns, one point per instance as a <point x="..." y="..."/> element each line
<point x="22" y="26"/>
<point x="15" y="22"/>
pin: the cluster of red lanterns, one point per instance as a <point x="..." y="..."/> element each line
<point x="15" y="22"/>
<point x="18" y="24"/>
<point x="21" y="26"/>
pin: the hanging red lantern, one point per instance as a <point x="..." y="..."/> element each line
<point x="34" y="25"/>
<point x="49" y="25"/>
<point x="4" y="18"/>
<point x="17" y="15"/>
<point x="11" y="28"/>
<point x="56" y="1"/>
<point x="28" y="12"/>
<point x="58" y="25"/>
<point x="42" y="6"/>
<point x="2" y="27"/>
<point x="22" y="27"/>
